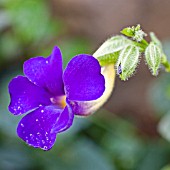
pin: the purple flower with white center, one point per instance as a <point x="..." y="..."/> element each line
<point x="52" y="97"/>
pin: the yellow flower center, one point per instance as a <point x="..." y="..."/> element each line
<point x="59" y="101"/>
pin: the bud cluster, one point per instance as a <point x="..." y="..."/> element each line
<point x="124" y="52"/>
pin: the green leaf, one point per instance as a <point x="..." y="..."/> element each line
<point x="153" y="57"/>
<point x="127" y="62"/>
<point x="109" y="47"/>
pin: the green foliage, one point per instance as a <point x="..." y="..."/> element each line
<point x="166" y="167"/>
<point x="31" y="20"/>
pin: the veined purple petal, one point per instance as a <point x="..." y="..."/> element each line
<point x="26" y="96"/>
<point x="83" y="79"/>
<point x="46" y="72"/>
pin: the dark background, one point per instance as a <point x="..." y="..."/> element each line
<point x="131" y="131"/>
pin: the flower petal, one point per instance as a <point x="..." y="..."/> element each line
<point x="85" y="108"/>
<point x="65" y="120"/>
<point x="37" y="127"/>
<point x="46" y="72"/>
<point x="83" y="79"/>
<point x="26" y="95"/>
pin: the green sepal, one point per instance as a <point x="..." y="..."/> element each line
<point x="108" y="59"/>
<point x="108" y="52"/>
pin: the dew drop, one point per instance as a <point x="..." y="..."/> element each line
<point x="22" y="124"/>
<point x="45" y="147"/>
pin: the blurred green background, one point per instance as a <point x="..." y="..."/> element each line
<point x="132" y="131"/>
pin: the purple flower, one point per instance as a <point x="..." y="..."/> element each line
<point x="52" y="97"/>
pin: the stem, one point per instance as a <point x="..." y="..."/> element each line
<point x="144" y="42"/>
<point x="143" y="45"/>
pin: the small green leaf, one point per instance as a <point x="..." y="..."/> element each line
<point x="155" y="39"/>
<point x="127" y="62"/>
<point x="153" y="57"/>
<point x="129" y="32"/>
<point x="109" y="50"/>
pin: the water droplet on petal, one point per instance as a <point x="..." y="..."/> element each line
<point x="45" y="147"/>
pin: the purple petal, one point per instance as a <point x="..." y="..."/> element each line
<point x="85" y="108"/>
<point x="26" y="95"/>
<point x="83" y="79"/>
<point x="46" y="72"/>
<point x="37" y="127"/>
<point x="65" y="120"/>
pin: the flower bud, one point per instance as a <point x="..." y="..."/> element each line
<point x="127" y="62"/>
<point x="153" y="57"/>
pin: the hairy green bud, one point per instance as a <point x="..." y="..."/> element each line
<point x="127" y="62"/>
<point x="153" y="56"/>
